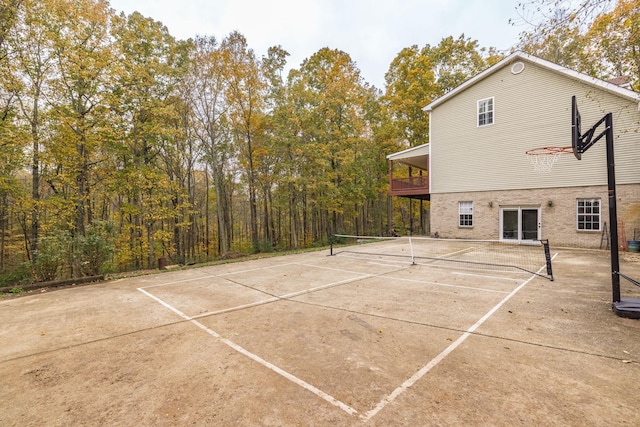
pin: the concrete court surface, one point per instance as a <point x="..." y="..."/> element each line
<point x="318" y="340"/>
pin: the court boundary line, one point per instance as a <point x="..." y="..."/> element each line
<point x="511" y="279"/>
<point x="211" y="276"/>
<point x="273" y="297"/>
<point x="283" y="297"/>
<point x="309" y="387"/>
<point x="389" y="398"/>
<point x="443" y="354"/>
<point x="449" y="285"/>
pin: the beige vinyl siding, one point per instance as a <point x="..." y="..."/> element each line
<point x="532" y="109"/>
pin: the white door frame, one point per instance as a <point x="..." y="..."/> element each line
<point x="519" y="209"/>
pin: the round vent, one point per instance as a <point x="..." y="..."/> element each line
<point x="517" y="68"/>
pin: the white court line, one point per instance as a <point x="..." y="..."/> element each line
<point x="342" y="270"/>
<point x="325" y="396"/>
<point x="268" y="300"/>
<point x="510" y="279"/>
<point x="211" y="276"/>
<point x="282" y="297"/>
<point x="386" y="265"/>
<point x="175" y="282"/>
<point x="422" y="372"/>
<point x="380" y="255"/>
<point x="447" y="285"/>
<point x="330" y="399"/>
<point x="251" y="270"/>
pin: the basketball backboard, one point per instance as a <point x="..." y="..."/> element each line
<point x="576" y="134"/>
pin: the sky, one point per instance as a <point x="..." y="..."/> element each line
<point x="372" y="32"/>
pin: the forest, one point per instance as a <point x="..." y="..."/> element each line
<point x="120" y="144"/>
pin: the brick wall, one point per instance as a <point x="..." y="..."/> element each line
<point x="558" y="221"/>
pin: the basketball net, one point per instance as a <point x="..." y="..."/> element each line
<point x="542" y="159"/>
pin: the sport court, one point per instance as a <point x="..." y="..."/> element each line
<point x="377" y="334"/>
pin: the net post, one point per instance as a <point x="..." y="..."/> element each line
<point x="547" y="257"/>
<point x="413" y="259"/>
<point x="331" y="237"/>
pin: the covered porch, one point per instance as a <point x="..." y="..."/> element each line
<point x="416" y="184"/>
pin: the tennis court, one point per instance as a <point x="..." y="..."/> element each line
<point x="378" y="334"/>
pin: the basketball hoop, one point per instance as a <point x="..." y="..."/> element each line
<point x="542" y="159"/>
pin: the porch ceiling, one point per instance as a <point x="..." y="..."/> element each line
<point x="417" y="157"/>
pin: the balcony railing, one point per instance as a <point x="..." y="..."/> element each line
<point x="413" y="186"/>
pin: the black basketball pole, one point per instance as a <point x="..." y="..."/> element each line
<point x="628" y="307"/>
<point x="613" y="215"/>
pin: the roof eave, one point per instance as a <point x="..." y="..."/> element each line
<point x="419" y="150"/>
<point x="610" y="87"/>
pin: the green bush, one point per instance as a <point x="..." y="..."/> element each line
<point x="17" y="276"/>
<point x="264" y="247"/>
<point x="50" y="256"/>
<point x="94" y="250"/>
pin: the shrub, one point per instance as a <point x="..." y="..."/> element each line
<point x="50" y="256"/>
<point x="19" y="275"/>
<point x="95" y="249"/>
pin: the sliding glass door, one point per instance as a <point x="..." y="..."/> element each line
<point x="519" y="223"/>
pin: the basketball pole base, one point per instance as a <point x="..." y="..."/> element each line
<point x="627" y="307"/>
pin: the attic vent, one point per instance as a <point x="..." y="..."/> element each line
<point x="517" y="68"/>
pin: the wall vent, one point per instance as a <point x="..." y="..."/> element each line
<point x="517" y="67"/>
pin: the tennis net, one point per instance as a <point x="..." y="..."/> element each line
<point x="528" y="257"/>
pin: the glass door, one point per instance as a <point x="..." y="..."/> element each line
<point x="519" y="224"/>
<point x="510" y="224"/>
<point x="529" y="224"/>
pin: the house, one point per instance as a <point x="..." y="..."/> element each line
<point x="479" y="180"/>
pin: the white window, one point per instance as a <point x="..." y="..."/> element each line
<point x="485" y="112"/>
<point x="465" y="214"/>
<point x="588" y="214"/>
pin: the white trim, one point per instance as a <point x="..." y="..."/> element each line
<point x="493" y="111"/>
<point x="419" y="150"/>
<point x="430" y="174"/>
<point x="610" y="87"/>
<point x="590" y="199"/>
<point x="519" y="209"/>
<point x="517" y="67"/>
<point x="468" y="204"/>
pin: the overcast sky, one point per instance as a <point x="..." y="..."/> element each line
<point x="372" y="32"/>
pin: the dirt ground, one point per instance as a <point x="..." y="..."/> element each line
<point x="313" y="340"/>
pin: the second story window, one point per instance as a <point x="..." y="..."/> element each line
<point x="485" y="111"/>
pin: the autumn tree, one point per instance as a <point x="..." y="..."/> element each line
<point x="32" y="59"/>
<point x="82" y="52"/>
<point x="458" y="59"/>
<point x="615" y="41"/>
<point x="9" y="12"/>
<point x="271" y="157"/>
<point x="12" y="146"/>
<point x="542" y="17"/>
<point x="418" y="76"/>
<point x="151" y="64"/>
<point x="410" y="85"/>
<point x="205" y="89"/>
<point x="246" y="94"/>
<point x="330" y="95"/>
<point x="597" y="37"/>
